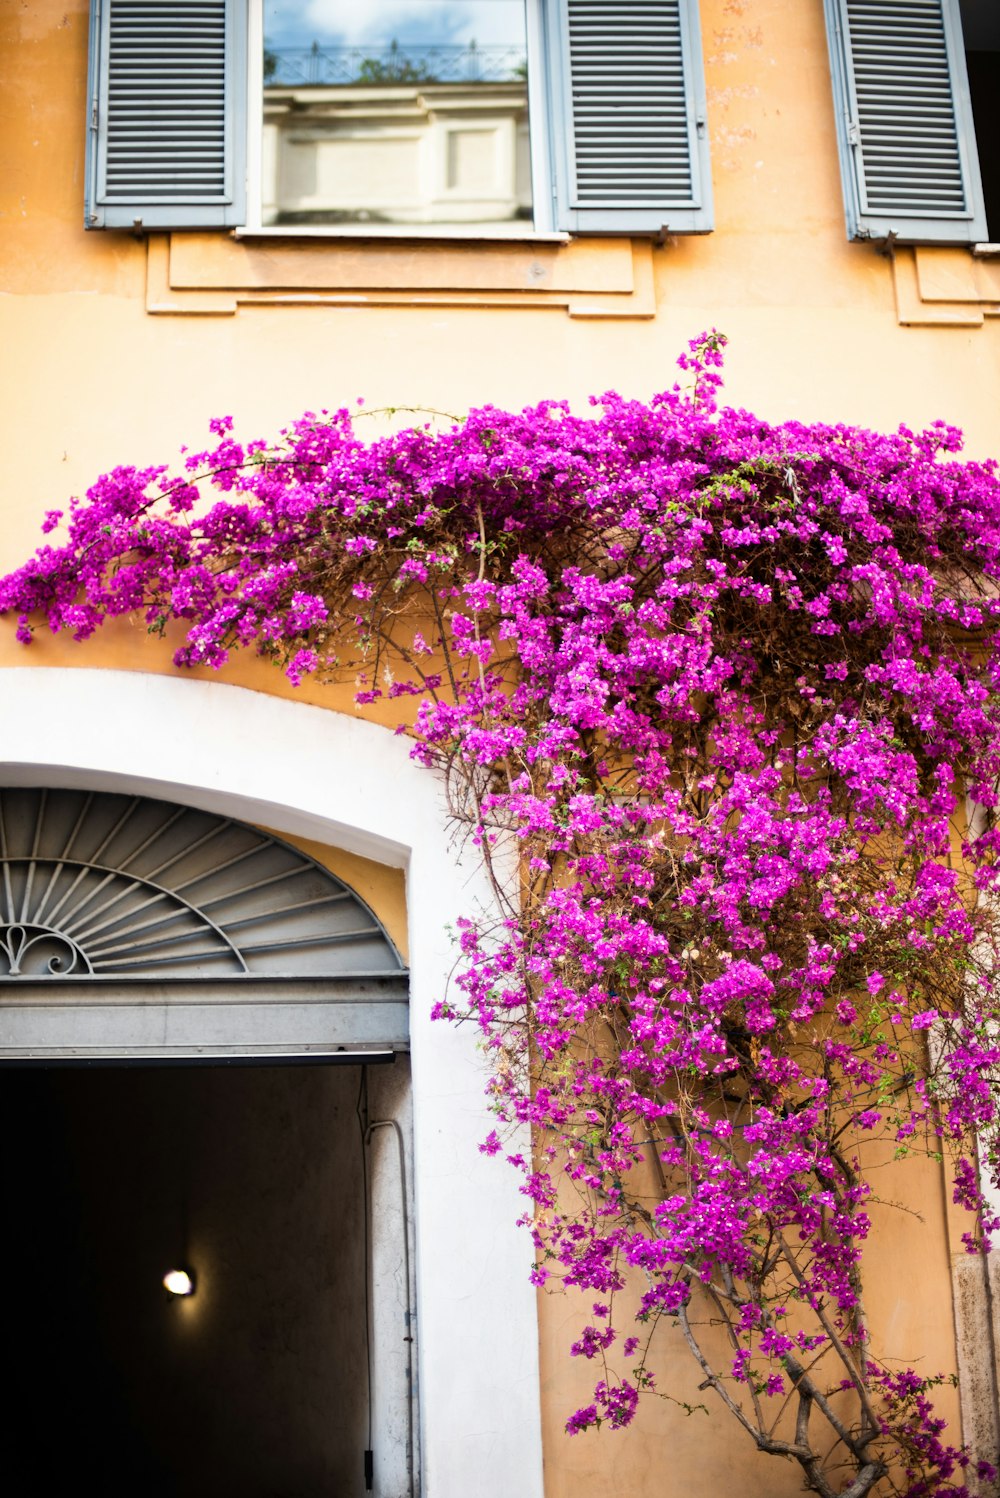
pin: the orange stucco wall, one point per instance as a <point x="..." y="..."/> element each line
<point x="90" y="378"/>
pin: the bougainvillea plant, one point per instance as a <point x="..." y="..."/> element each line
<point x="728" y="689"/>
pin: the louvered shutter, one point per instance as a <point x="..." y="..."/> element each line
<point x="166" y="145"/>
<point x="904" y="121"/>
<point x="626" y="107"/>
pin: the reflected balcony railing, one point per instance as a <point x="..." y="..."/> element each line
<point x="318" y="64"/>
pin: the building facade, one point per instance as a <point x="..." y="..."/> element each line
<point x="196" y="224"/>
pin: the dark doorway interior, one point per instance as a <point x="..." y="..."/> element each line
<point x="256" y="1386"/>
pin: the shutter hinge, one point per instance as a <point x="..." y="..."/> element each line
<point x="699" y="124"/>
<point x="853" y="136"/>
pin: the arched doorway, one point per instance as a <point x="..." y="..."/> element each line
<point x="349" y="784"/>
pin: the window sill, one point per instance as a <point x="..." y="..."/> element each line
<point x="207" y="273"/>
<point x="942" y="286"/>
<point x="422" y="234"/>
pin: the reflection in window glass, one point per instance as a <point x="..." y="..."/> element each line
<point x="396" y="112"/>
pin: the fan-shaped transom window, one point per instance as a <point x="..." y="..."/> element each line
<point x="186" y="927"/>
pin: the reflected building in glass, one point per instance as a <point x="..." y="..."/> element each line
<point x="425" y="129"/>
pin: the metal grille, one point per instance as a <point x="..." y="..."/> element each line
<point x="97" y="886"/>
<point x="908" y="139"/>
<point x="166" y="102"/>
<point x="631" y="125"/>
<point x="408" y="64"/>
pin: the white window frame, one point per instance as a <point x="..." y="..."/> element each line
<point x="542" y="226"/>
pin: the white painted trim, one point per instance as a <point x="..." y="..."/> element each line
<point x="316" y="774"/>
<point x="255" y="111"/>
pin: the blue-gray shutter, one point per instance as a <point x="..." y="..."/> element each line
<point x="626" y="101"/>
<point x="167" y="100"/>
<point x="904" y="121"/>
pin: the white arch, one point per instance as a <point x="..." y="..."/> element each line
<point x="322" y="775"/>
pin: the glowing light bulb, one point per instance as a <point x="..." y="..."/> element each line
<point x="179" y="1281"/>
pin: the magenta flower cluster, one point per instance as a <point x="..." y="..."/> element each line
<point x="713" y="695"/>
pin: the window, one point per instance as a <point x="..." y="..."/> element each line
<point x="907" y="121"/>
<point x="406" y="113"/>
<point x="614" y="93"/>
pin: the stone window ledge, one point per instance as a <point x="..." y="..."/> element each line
<point x="939" y="287"/>
<point x="210" y="274"/>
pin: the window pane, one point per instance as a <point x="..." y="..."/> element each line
<point x="406" y="113"/>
